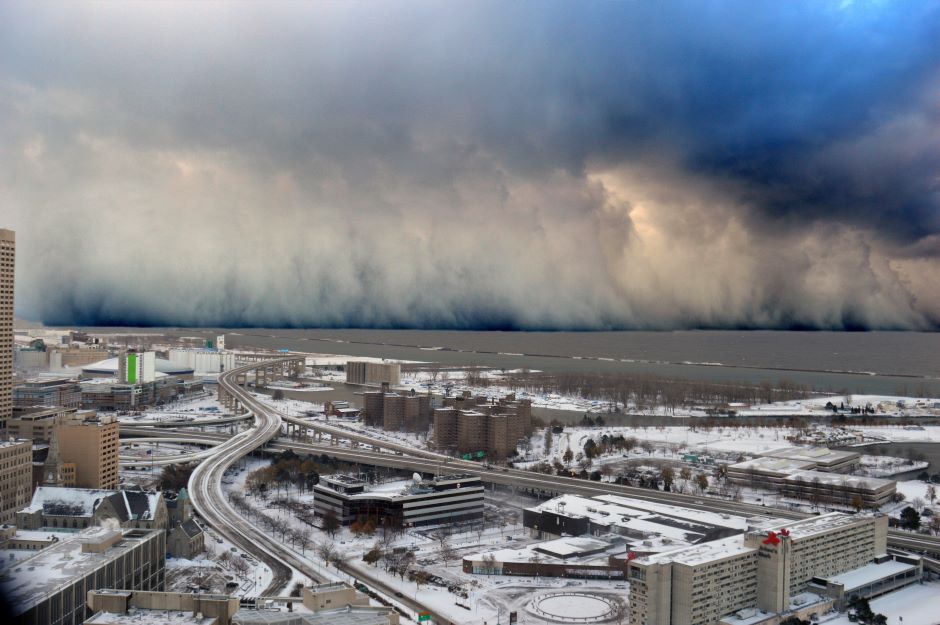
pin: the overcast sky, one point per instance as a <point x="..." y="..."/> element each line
<point x="569" y="165"/>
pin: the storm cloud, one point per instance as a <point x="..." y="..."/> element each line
<point x="530" y="165"/>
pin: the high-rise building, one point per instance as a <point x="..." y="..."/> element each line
<point x="90" y="442"/>
<point x="16" y="477"/>
<point x="7" y="266"/>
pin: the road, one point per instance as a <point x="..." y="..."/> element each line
<point x="205" y="483"/>
<point x="205" y="489"/>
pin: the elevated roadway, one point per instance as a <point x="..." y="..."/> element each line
<point x="205" y="483"/>
<point x="433" y="463"/>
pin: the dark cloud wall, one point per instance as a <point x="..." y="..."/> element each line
<point x="474" y="165"/>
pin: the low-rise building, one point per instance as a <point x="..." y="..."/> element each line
<point x="126" y="607"/>
<point x="76" y="508"/>
<point x="824" y="459"/>
<point x="440" y="500"/>
<point x="647" y="526"/>
<point x="186" y="540"/>
<point x="585" y="557"/>
<point x="802" y="479"/>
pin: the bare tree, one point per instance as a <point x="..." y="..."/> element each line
<point x="303" y="539"/>
<point x="619" y="609"/>
<point x="326" y="550"/>
<point x="447" y="552"/>
<point x="330" y="523"/>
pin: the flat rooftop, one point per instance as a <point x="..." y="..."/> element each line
<point x="150" y="617"/>
<point x="839" y="479"/>
<point x="27" y="582"/>
<point x="870" y="573"/>
<point x="780" y="467"/>
<point x="816" y="525"/>
<point x="822" y="456"/>
<point x="701" y="554"/>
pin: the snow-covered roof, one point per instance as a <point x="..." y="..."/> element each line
<point x="572" y="545"/>
<point x="703" y="553"/>
<point x="770" y="464"/>
<point x="27" y="582"/>
<point x="82" y="502"/>
<point x="869" y="573"/>
<point x="161" y="365"/>
<point x="61" y="501"/>
<point x="635" y="517"/>
<point x="822" y="456"/>
<point x="150" y="617"/>
<point x="813" y="526"/>
<point x="839" y="479"/>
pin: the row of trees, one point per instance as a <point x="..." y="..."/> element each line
<point x="643" y="391"/>
<point x="299" y="538"/>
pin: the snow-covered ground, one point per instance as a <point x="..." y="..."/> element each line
<point x="913" y="605"/>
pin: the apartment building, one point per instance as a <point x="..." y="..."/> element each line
<point x="792" y="555"/>
<point x="771" y="569"/>
<point x="64" y="392"/>
<point x="16" y="477"/>
<point x="471" y="425"/>
<point x="695" y="585"/>
<point x="362" y="372"/>
<point x="411" y="413"/>
<point x="443" y="499"/>
<point x="7" y="267"/>
<point x="51" y="586"/>
<point x="91" y="442"/>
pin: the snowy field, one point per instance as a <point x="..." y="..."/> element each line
<point x="915" y="605"/>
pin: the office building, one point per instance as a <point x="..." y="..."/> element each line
<point x="802" y="479"/>
<point x="440" y="500"/>
<point x="823" y="458"/>
<point x="51" y="586"/>
<point x="46" y="391"/>
<point x="7" y="268"/>
<point x="91" y="442"/>
<point x="362" y="372"/>
<point x="16" y="477"/>
<point x="37" y="423"/>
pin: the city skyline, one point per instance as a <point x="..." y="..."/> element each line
<point x="474" y="165"/>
